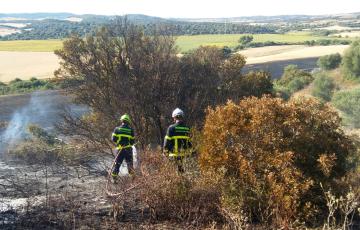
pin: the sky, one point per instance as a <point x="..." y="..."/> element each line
<point x="183" y="8"/>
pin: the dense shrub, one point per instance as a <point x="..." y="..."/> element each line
<point x="327" y="42"/>
<point x="15" y="81"/>
<point x="351" y="61"/>
<point x="329" y="62"/>
<point x="24" y="86"/>
<point x="188" y="198"/>
<point x="323" y="87"/>
<point x="275" y="154"/>
<point x="348" y="102"/>
<point x="292" y="80"/>
<point x="245" y="39"/>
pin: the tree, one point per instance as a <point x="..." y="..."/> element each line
<point x="292" y="80"/>
<point x="122" y="70"/>
<point x="131" y="73"/>
<point x="323" y="87"/>
<point x="246" y="39"/>
<point x="351" y="61"/>
<point x="329" y="62"/>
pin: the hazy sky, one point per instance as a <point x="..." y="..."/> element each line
<point x="183" y="8"/>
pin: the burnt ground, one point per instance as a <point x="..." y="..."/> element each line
<point x="55" y="196"/>
<point x="62" y="197"/>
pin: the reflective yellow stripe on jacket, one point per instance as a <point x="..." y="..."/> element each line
<point x="176" y="139"/>
<point x="119" y="136"/>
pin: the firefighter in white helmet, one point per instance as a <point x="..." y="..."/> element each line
<point x="177" y="140"/>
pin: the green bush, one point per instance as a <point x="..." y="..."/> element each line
<point x="323" y="87"/>
<point x="327" y="42"/>
<point x="348" y="102"/>
<point x="24" y="86"/>
<point x="329" y="62"/>
<point x="246" y="39"/>
<point x="351" y="61"/>
<point x="16" y="80"/>
<point x="292" y="80"/>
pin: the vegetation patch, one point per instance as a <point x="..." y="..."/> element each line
<point x="274" y="159"/>
<point x="348" y="102"/>
<point x="292" y="81"/>
<point x="31" y="45"/>
<point x="323" y="87"/>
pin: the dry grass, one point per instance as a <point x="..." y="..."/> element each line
<point x="280" y="53"/>
<point x="25" y="65"/>
<point x="352" y="34"/>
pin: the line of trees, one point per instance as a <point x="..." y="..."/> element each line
<point x="57" y="29"/>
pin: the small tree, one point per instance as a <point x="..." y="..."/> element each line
<point x="292" y="80"/>
<point x="348" y="102"/>
<point x="323" y="87"/>
<point x="246" y="39"/>
<point x="329" y="62"/>
<point x="351" y="61"/>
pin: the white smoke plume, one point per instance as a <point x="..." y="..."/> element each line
<point x="43" y="109"/>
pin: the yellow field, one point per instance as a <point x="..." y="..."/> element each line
<point x="352" y="34"/>
<point x="280" y="53"/>
<point x="25" y="65"/>
<point x="31" y="45"/>
<point x="26" y="59"/>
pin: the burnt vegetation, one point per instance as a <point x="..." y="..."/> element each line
<point x="261" y="162"/>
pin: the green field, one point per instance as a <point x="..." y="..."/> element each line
<point x="185" y="43"/>
<point x="31" y="45"/>
<point x="188" y="42"/>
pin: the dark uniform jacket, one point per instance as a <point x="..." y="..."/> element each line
<point x="123" y="136"/>
<point x="177" y="139"/>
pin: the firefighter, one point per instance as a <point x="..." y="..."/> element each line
<point x="124" y="137"/>
<point x="177" y="140"/>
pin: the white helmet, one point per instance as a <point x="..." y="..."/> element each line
<point x="177" y="113"/>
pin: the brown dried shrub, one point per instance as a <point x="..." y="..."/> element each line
<point x="276" y="153"/>
<point x="189" y="198"/>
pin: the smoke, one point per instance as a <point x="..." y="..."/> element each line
<point x="44" y="109"/>
<point x="34" y="112"/>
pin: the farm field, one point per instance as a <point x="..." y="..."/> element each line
<point x="280" y="53"/>
<point x="188" y="42"/>
<point x="43" y="64"/>
<point x="25" y="65"/>
<point x="185" y="42"/>
<point x="352" y="34"/>
<point x="31" y="45"/>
